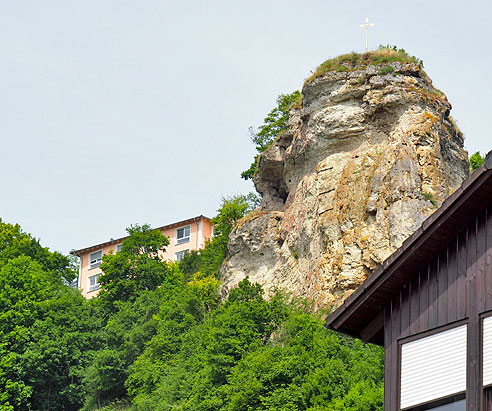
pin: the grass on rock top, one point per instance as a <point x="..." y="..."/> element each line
<point x="359" y="61"/>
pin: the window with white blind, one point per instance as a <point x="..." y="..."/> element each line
<point x="95" y="259"/>
<point x="433" y="367"/>
<point x="487" y="351"/>
<point x="183" y="234"/>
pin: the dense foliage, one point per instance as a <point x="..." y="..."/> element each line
<point x="137" y="267"/>
<point x="159" y="337"/>
<point x="47" y="330"/>
<point x="273" y="125"/>
<point x="209" y="259"/>
<point x="252" y="354"/>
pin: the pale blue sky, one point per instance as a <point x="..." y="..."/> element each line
<point x="115" y="111"/>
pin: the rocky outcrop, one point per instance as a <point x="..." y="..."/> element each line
<point x="371" y="153"/>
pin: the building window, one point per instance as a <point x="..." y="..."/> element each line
<point x="426" y="363"/>
<point x="181" y="254"/>
<point x="183" y="234"/>
<point x="487" y="351"/>
<point x="487" y="361"/>
<point x="487" y="399"/>
<point x="95" y="259"/>
<point x="94" y="283"/>
<point x="118" y="248"/>
<point x="457" y="403"/>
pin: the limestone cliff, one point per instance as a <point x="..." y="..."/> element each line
<point x="369" y="155"/>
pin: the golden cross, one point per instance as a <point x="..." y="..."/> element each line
<point x="367" y="25"/>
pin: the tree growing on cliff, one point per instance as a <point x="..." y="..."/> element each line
<point x="210" y="259"/>
<point x="273" y="124"/>
<point x="476" y="161"/>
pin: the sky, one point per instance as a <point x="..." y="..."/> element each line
<point x="116" y="112"/>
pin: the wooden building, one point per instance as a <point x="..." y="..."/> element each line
<point x="430" y="306"/>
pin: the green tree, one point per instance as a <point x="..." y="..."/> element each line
<point x="62" y="343"/>
<point x="190" y="372"/>
<point x="170" y="358"/>
<point x="209" y="259"/>
<point x="30" y="277"/>
<point x="252" y="354"/>
<point x="46" y="339"/>
<point x="273" y="125"/>
<point x="476" y="161"/>
<point x="14" y="243"/>
<point x="304" y="366"/>
<point x="123" y="339"/>
<point x="136" y="267"/>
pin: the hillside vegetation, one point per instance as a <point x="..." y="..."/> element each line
<point x="159" y="338"/>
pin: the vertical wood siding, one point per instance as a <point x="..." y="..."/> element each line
<point x="454" y="286"/>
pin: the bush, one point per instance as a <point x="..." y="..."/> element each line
<point x="476" y="161"/>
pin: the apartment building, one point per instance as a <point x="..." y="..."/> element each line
<point x="184" y="236"/>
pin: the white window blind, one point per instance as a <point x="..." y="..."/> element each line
<point x="433" y="367"/>
<point x="183" y="234"/>
<point x="487" y="350"/>
<point x="95" y="259"/>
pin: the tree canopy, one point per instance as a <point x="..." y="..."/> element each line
<point x="137" y="267"/>
<point x="47" y="331"/>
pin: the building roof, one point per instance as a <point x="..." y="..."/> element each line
<point x="361" y="314"/>
<point x="119" y="240"/>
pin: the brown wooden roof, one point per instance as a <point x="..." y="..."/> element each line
<point x="361" y="312"/>
<point x="119" y="240"/>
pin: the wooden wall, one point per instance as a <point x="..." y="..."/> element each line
<point x="455" y="286"/>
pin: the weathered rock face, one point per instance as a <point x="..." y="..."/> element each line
<point x="364" y="161"/>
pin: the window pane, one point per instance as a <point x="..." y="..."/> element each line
<point x="95" y="259"/>
<point x="433" y="367"/>
<point x="487" y="399"/>
<point x="96" y="256"/>
<point x="181" y="254"/>
<point x="455" y="406"/>
<point x="183" y="235"/>
<point x="487" y="350"/>
<point x="94" y="283"/>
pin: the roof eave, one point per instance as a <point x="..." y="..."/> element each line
<point x="81" y="251"/>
